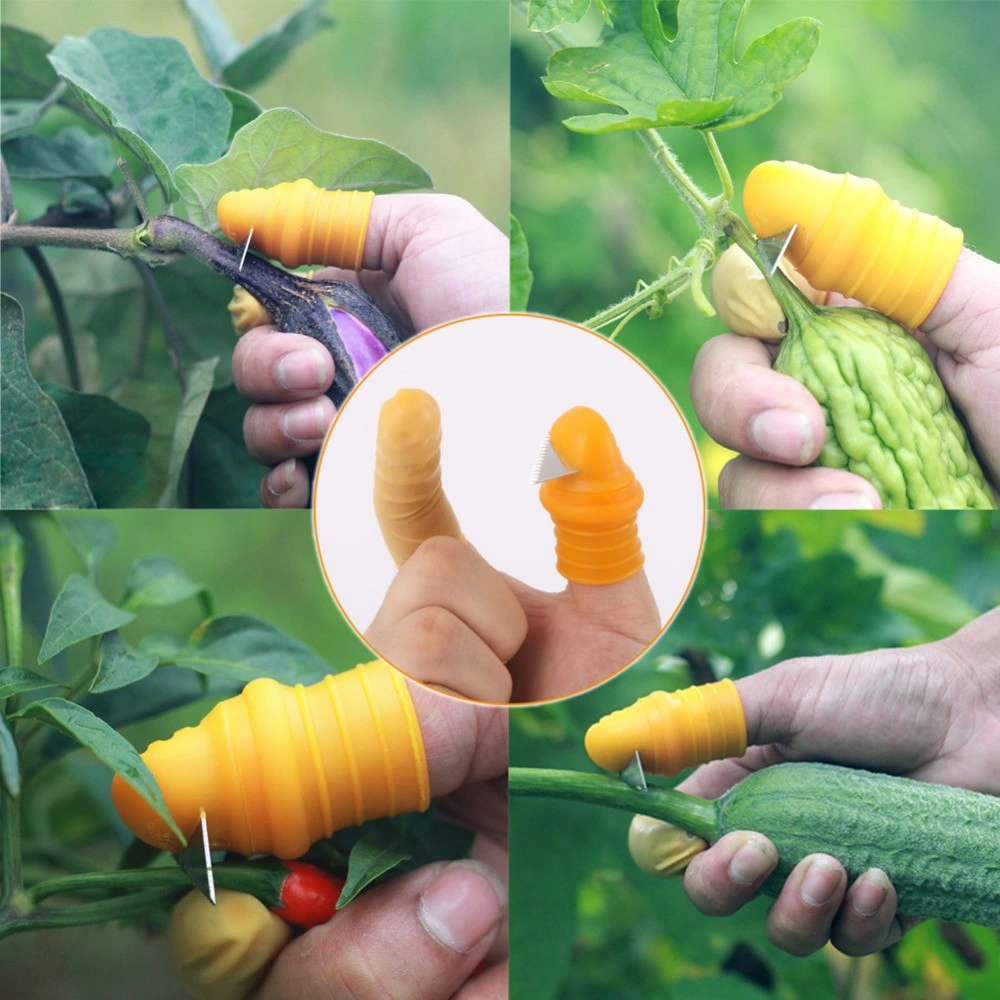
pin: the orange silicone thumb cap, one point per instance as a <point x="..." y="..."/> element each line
<point x="410" y="504"/>
<point x="594" y="508"/>
<point x="672" y="731"/>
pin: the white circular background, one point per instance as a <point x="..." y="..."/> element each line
<point x="500" y="382"/>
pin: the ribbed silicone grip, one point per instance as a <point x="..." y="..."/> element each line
<point x="409" y="499"/>
<point x="299" y="223"/>
<point x="853" y="238"/>
<point x="277" y="767"/>
<point x="672" y="730"/>
<point x="593" y="509"/>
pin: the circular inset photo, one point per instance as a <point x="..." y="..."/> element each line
<point x="509" y="508"/>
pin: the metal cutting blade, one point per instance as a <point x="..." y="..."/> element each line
<point x="633" y="774"/>
<point x="549" y="465"/>
<point x="773" y="248"/>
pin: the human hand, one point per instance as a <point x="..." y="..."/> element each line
<point x="433" y="934"/>
<point x="929" y="712"/>
<point x="451" y="620"/>
<point x="777" y="425"/>
<point x="428" y="258"/>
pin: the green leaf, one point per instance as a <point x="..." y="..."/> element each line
<point x="149" y="92"/>
<point x="15" y="680"/>
<point x="217" y="42"/>
<point x="239" y="647"/>
<point x="282" y="145"/>
<point x="25" y="71"/>
<point x="199" y="378"/>
<point x="268" y="51"/>
<point x="520" y="270"/>
<point x="110" y="441"/>
<point x="692" y="79"/>
<point x="92" y="537"/>
<point x="120" y="664"/>
<point x="544" y="15"/>
<point x="245" y="109"/>
<point x="109" y="747"/>
<point x="40" y="467"/>
<point x="221" y="472"/>
<point x="79" y="612"/>
<point x="157" y="582"/>
<point x="10" y="764"/>
<point x="21" y="117"/>
<point x="72" y="153"/>
<point x="368" y="860"/>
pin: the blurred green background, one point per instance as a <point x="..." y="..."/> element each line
<point x="429" y="77"/>
<point x="903" y="92"/>
<point x="254" y="563"/>
<point x="585" y="923"/>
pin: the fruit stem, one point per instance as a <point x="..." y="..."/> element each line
<point x="796" y="307"/>
<point x="697" y="816"/>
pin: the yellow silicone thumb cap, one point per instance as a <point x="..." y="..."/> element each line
<point x="223" y="951"/>
<point x="410" y="504"/>
<point x="672" y="731"/>
<point x="299" y="223"/>
<point x="278" y="767"/>
<point x="594" y="508"/>
<point x="852" y="238"/>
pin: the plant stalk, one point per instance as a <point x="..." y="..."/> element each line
<point x="690" y="193"/>
<point x="697" y="816"/>
<point x="63" y="325"/>
<point x="88" y="913"/>
<point x="728" y="191"/>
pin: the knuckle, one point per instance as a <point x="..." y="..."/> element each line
<point x="434" y="631"/>
<point x="437" y="559"/>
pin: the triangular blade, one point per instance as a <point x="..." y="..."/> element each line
<point x="633" y="775"/>
<point x="773" y="248"/>
<point x="548" y="465"/>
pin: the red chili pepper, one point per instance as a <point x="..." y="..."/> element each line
<point x="308" y="896"/>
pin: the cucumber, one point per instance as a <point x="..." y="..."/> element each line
<point x="940" y="846"/>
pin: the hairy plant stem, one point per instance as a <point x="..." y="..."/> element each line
<point x="728" y="192"/>
<point x="124" y="242"/>
<point x="158" y="304"/>
<point x="692" y="195"/>
<point x="54" y="293"/>
<point x="695" y="815"/>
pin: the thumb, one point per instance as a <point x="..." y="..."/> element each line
<point x="887" y="710"/>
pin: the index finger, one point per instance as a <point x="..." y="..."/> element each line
<point x="748" y="407"/>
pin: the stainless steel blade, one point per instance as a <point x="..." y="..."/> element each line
<point x="548" y="465"/>
<point x="773" y="248"/>
<point x="245" y="249"/>
<point x="209" y="874"/>
<point x="633" y="774"/>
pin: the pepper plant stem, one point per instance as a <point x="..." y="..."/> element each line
<point x="122" y="908"/>
<point x="697" y="816"/>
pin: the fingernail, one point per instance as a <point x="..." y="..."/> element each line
<point x="300" y="370"/>
<point x="870" y="892"/>
<point x="282" y="477"/>
<point x="461" y="906"/>
<point x="305" y="422"/>
<point x="751" y="862"/>
<point x="842" y="501"/>
<point x="821" y="881"/>
<point x="783" y="434"/>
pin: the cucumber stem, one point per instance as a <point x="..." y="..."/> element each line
<point x="697" y="816"/>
